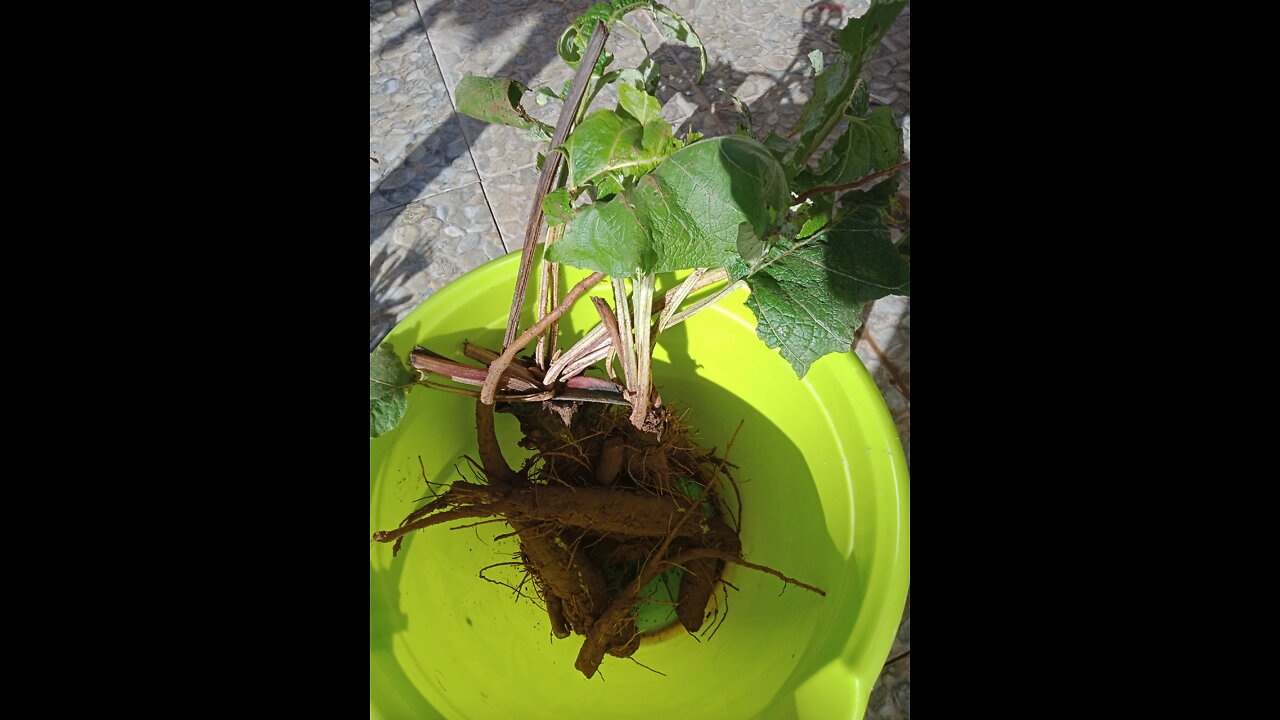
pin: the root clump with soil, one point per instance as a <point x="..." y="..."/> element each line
<point x="602" y="509"/>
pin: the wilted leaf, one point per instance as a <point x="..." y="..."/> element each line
<point x="497" y="100"/>
<point x="573" y="42"/>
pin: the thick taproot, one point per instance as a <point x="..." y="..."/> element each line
<point x="602" y="510"/>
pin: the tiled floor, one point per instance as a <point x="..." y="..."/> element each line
<point x="448" y="192"/>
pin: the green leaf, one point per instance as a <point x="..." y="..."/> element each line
<point x="541" y="94"/>
<point x="869" y="144"/>
<point x="751" y="246"/>
<point x="834" y="87"/>
<point x="389" y="384"/>
<point x="860" y="37"/>
<point x="807" y="295"/>
<point x="607" y="142"/>
<point x="688" y="139"/>
<point x="644" y="76"/>
<point x="858" y="103"/>
<point x="606" y="187"/>
<point x="657" y="138"/>
<point x="817" y="214"/>
<point x="638" y="104"/>
<point x="557" y="207"/>
<point x="497" y="100"/>
<point x="684" y="214"/>
<point x="777" y="145"/>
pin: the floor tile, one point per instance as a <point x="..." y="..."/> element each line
<point x="416" y="146"/>
<point x="511" y="200"/>
<point x="515" y="39"/>
<point x="891" y="695"/>
<point x="424" y="246"/>
<point x="885" y="350"/>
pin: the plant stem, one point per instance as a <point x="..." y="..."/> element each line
<point x="490" y="388"/>
<point x="590" y="342"/>
<point x="849" y="186"/>
<point x="610" y="323"/>
<point x="626" y="351"/>
<point x="587" y="360"/>
<point x="676" y="296"/>
<point x="550" y="168"/>
<point x="642" y="300"/>
<point x="548" y="295"/>
<point x="579" y="348"/>
<point x="706" y="302"/>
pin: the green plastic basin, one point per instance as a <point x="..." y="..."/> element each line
<point x="825" y="499"/>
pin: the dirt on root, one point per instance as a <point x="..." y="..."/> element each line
<point x="601" y="509"/>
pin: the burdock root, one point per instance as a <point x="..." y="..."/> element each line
<point x="600" y="510"/>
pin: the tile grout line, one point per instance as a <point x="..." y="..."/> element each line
<point x="442" y="191"/>
<point x="437" y="193"/>
<point x="474" y="166"/>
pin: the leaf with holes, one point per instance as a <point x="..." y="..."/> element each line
<point x="497" y="100"/>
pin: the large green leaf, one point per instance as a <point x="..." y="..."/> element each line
<point x="497" y="100"/>
<point x="834" y="87"/>
<point x="807" y="295"/>
<point x="869" y="144"/>
<point x="687" y="213"/>
<point x="389" y="384"/>
<point x="607" y="142"/>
